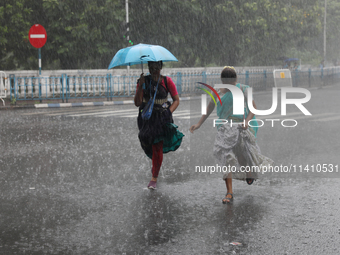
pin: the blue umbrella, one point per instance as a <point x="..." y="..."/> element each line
<point x="141" y="54"/>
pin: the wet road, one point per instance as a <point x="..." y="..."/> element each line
<point x="73" y="181"/>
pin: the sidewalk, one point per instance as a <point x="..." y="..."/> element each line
<point x="78" y="102"/>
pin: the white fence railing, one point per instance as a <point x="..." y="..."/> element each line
<point x="3" y="86"/>
<point x="64" y="86"/>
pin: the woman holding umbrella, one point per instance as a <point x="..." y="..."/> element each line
<point x="158" y="134"/>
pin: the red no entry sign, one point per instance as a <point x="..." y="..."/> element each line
<point x="37" y="36"/>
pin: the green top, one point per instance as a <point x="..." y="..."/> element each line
<point x="225" y="111"/>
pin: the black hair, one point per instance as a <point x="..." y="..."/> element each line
<point x="151" y="62"/>
<point x="228" y="75"/>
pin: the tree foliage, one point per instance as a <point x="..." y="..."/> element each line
<point x="333" y="30"/>
<point x="88" y="33"/>
<point x="15" y="24"/>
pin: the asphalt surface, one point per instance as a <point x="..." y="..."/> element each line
<point x="73" y="181"/>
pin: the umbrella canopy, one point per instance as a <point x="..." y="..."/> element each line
<point x="141" y="54"/>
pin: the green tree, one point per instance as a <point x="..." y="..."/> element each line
<point x="263" y="30"/>
<point x="15" y="24"/>
<point x="86" y="34"/>
<point x="333" y="31"/>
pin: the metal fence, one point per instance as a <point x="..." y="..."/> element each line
<point x="108" y="86"/>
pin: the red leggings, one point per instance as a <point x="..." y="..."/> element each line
<point x="157" y="158"/>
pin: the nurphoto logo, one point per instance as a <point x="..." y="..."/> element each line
<point x="238" y="103"/>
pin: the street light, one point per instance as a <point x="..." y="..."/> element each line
<point x="324" y="32"/>
<point x="127" y="28"/>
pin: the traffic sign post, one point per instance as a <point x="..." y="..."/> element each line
<point x="39" y="53"/>
<point x="37" y="37"/>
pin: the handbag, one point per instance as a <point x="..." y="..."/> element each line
<point x="147" y="110"/>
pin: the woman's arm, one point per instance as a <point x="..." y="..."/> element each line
<point x="210" y="109"/>
<point x="174" y="104"/>
<point x="139" y="93"/>
<point x="250" y="116"/>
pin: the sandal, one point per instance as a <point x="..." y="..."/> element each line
<point x="227" y="199"/>
<point x="152" y="185"/>
<point x="250" y="181"/>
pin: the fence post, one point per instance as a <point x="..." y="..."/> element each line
<point x="63" y="89"/>
<point x="129" y="77"/>
<point x="296" y="78"/>
<point x="309" y="77"/>
<point x="112" y="91"/>
<point x="32" y="88"/>
<point x="204" y="77"/>
<point x="124" y="78"/>
<point x="179" y="83"/>
<point x="67" y="87"/>
<point x="39" y="79"/>
<point x="111" y="83"/>
<point x="12" y="87"/>
<point x="108" y="87"/>
<point x="247" y="78"/>
<point x="265" y="79"/>
<point x="81" y="86"/>
<point x="74" y="86"/>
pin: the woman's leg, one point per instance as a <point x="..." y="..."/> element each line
<point x="157" y="159"/>
<point x="229" y="184"/>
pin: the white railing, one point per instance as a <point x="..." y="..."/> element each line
<point x="83" y="85"/>
<point x="3" y="86"/>
<point x="136" y="71"/>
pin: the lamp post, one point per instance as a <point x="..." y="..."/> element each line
<point x="324" y="32"/>
<point x="127" y="28"/>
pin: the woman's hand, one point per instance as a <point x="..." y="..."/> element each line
<point x="245" y="127"/>
<point x="210" y="108"/>
<point x="139" y="93"/>
<point x="194" y="127"/>
<point x="141" y="81"/>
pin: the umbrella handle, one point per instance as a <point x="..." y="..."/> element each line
<point x="141" y="62"/>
